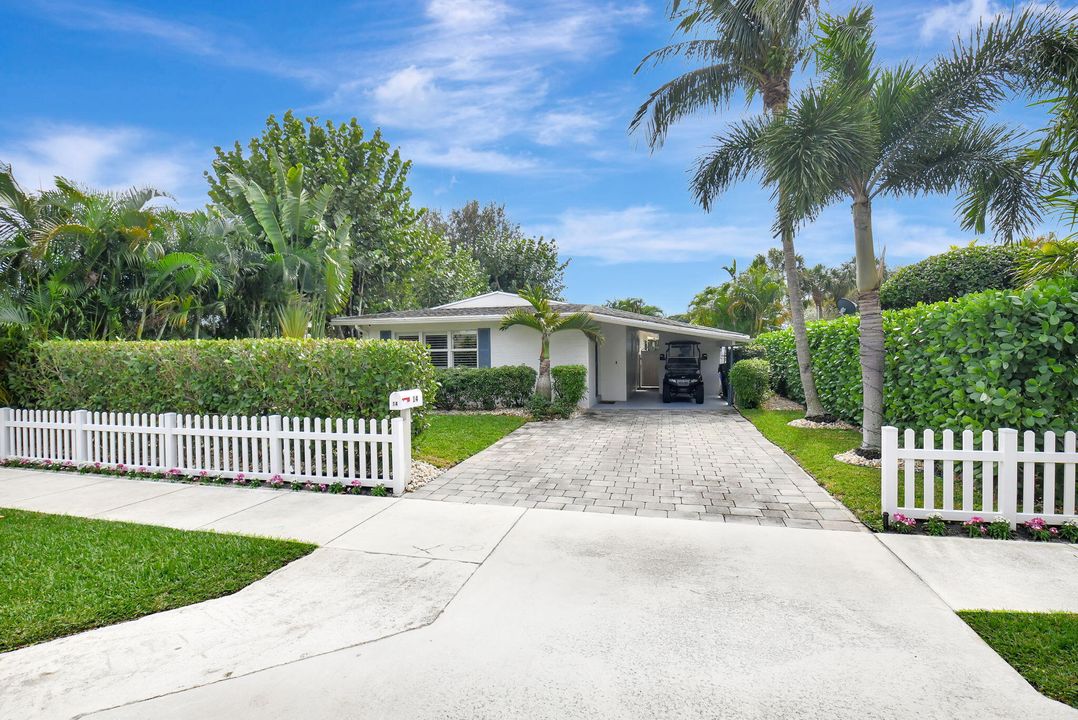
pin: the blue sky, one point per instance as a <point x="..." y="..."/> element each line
<point x="522" y="103"/>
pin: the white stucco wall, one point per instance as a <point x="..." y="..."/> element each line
<point x="613" y="362"/>
<point x="515" y="346"/>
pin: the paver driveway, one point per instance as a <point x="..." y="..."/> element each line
<point x="697" y="465"/>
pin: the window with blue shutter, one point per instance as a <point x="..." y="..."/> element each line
<point x="484" y="347"/>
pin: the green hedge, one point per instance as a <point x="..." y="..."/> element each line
<point x="570" y="382"/>
<point x="318" y="378"/>
<point x="953" y="274"/>
<point x="986" y="360"/>
<point x="750" y="380"/>
<point x="510" y="386"/>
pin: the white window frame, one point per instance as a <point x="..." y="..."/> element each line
<point x="450" y="350"/>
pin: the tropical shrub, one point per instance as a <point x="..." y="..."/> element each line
<point x="986" y="360"/>
<point x="957" y="272"/>
<point x="750" y="380"/>
<point x="570" y="384"/>
<point x="510" y="386"/>
<point x="318" y="378"/>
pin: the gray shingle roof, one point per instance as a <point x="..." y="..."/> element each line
<point x="596" y="310"/>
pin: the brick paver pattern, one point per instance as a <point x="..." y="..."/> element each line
<point x="711" y="465"/>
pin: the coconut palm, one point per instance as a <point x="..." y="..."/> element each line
<point x="753" y="46"/>
<point x="545" y="320"/>
<point x="865" y="132"/>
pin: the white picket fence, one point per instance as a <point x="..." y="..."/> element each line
<point x="319" y="450"/>
<point x="1016" y="484"/>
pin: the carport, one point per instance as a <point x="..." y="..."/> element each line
<point x="628" y="369"/>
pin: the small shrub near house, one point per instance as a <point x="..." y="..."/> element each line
<point x="569" y="384"/>
<point x="750" y="380"/>
<point x="510" y="386"/>
<point x="317" y="378"/>
<point x="953" y="274"/>
<point x="986" y="360"/>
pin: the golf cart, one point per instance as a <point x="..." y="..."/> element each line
<point x="683" y="377"/>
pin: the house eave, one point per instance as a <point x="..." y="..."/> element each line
<point x="690" y="330"/>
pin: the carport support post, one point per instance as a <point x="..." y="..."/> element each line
<point x="401" y="429"/>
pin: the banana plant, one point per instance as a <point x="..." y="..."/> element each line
<point x="308" y="253"/>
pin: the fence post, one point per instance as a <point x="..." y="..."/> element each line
<point x="276" y="447"/>
<point x="889" y="471"/>
<point x="168" y="422"/>
<point x="5" y="426"/>
<point x="81" y="435"/>
<point x="1008" y="475"/>
<point x="402" y="451"/>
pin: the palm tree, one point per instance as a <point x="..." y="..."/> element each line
<point x="307" y="256"/>
<point x="757" y="44"/>
<point x="816" y="281"/>
<point x="545" y="320"/>
<point x="865" y="132"/>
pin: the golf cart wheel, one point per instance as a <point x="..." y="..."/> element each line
<point x="700" y="395"/>
<point x="666" y="394"/>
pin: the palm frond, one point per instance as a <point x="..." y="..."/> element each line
<point x="707" y="87"/>
<point x="523" y="318"/>
<point x="735" y="158"/>
<point x="582" y="322"/>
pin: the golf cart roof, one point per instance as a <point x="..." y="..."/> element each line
<point x="683" y="342"/>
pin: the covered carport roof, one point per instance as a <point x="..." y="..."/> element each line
<point x="495" y="314"/>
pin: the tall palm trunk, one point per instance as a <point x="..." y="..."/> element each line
<point x="868" y="302"/>
<point x="542" y="382"/>
<point x="813" y="408"/>
<point x="775" y="100"/>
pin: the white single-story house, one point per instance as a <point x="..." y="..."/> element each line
<point x="625" y="368"/>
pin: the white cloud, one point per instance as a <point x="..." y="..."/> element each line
<point x="466" y="13"/>
<point x="480" y="73"/>
<point x="647" y="233"/>
<point x="559" y="128"/>
<point x="106" y="158"/>
<point x="222" y="47"/>
<point x="462" y="157"/>
<point x="950" y="19"/>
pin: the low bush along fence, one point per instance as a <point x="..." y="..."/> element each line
<point x="509" y="386"/>
<point x="279" y="411"/>
<point x="1002" y="482"/>
<point x="987" y="360"/>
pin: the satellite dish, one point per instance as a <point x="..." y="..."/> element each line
<point x="846" y="307"/>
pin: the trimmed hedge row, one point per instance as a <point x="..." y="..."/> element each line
<point x="953" y="274"/>
<point x="510" y="386"/>
<point x="318" y="378"/>
<point x="986" y="360"/>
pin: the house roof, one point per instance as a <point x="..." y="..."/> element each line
<point x="598" y="312"/>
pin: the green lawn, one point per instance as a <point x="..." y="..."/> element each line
<point x="60" y="575"/>
<point x="857" y="487"/>
<point x="452" y="438"/>
<point x="1043" y="647"/>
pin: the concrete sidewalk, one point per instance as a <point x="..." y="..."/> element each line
<point x="423" y="609"/>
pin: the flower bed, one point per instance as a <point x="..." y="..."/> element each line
<point x="277" y="482"/>
<point x="994" y="528"/>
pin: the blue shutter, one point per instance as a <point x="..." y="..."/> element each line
<point x="385" y="334"/>
<point x="484" y="347"/>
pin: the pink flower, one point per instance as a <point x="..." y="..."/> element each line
<point x="903" y="520"/>
<point x="1035" y="523"/>
<point x="975" y="520"/>
<point x="239" y="479"/>
<point x="175" y="471"/>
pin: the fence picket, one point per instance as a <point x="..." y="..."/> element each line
<point x="1048" y="505"/>
<point x="929" y="472"/>
<point x="987" y="474"/>
<point x="1029" y="445"/>
<point x="1068" y="474"/>
<point x="948" y="471"/>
